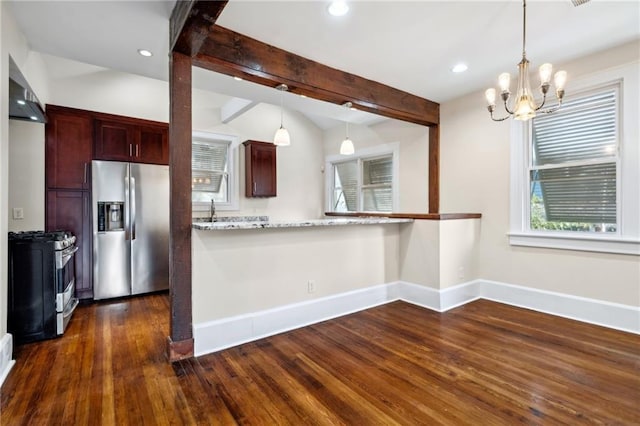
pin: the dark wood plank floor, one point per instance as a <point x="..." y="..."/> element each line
<point x="481" y="364"/>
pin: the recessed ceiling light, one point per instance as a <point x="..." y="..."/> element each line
<point x="33" y="117"/>
<point x="237" y="78"/>
<point x="21" y="102"/>
<point x="338" y="8"/>
<point x="458" y="68"/>
<point x="145" y="52"/>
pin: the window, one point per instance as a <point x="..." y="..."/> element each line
<point x="574" y="173"/>
<point x="212" y="171"/>
<point x="573" y="165"/>
<point x="365" y="182"/>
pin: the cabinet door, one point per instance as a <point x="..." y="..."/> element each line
<point x="114" y="140"/>
<point x="260" y="163"/>
<point x="153" y="145"/>
<point x="68" y="152"/>
<point x="71" y="211"/>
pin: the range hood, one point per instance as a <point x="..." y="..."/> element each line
<point x="23" y="103"/>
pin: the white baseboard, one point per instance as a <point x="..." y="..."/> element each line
<point x="593" y="311"/>
<point x="220" y="334"/>
<point x="6" y="351"/>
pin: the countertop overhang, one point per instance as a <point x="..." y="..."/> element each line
<point x="221" y="225"/>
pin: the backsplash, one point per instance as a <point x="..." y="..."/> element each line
<point x="233" y="219"/>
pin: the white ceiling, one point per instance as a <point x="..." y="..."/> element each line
<point x="408" y="45"/>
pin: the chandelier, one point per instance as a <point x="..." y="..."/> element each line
<point x="524" y="107"/>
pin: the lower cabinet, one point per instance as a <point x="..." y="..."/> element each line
<point x="70" y="210"/>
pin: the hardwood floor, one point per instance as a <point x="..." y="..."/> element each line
<point x="482" y="364"/>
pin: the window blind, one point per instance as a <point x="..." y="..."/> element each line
<point x="346" y="183"/>
<point x="209" y="165"/>
<point x="377" y="194"/>
<point x="575" y="159"/>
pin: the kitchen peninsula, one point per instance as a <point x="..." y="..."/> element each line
<point x="254" y="277"/>
<point x="225" y="224"/>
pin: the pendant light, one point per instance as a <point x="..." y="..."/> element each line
<point x="525" y="107"/>
<point x="346" y="148"/>
<point x="281" y="138"/>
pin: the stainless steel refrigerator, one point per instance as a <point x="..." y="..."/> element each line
<point x="130" y="228"/>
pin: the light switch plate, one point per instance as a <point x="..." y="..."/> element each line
<point x="18" y="213"/>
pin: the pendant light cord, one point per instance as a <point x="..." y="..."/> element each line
<point x="281" y="107"/>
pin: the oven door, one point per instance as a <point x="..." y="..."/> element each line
<point x="63" y="318"/>
<point x="65" y="269"/>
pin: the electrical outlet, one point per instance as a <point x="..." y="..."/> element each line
<point x="311" y="286"/>
<point x="18" y="213"/>
<point x="461" y="272"/>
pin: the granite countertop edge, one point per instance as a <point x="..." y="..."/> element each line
<point x="220" y="226"/>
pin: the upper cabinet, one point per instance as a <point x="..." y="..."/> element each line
<point x="68" y="151"/>
<point x="260" y="169"/>
<point x="121" y="140"/>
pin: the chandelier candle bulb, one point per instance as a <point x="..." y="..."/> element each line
<point x="504" y="80"/>
<point x="490" y="94"/>
<point x="560" y="79"/>
<point x="545" y="73"/>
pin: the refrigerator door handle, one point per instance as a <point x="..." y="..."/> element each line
<point x="132" y="184"/>
<point x="127" y="206"/>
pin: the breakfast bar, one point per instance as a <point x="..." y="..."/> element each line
<point x="262" y="222"/>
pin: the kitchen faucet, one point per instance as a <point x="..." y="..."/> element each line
<point x="213" y="211"/>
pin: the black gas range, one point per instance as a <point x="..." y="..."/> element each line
<point x="41" y="284"/>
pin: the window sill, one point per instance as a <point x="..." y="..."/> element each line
<point x="579" y="243"/>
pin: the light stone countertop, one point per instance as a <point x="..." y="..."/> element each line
<point x="339" y="221"/>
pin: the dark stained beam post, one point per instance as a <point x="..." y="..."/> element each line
<point x="191" y="22"/>
<point x="231" y="53"/>
<point x="434" y="169"/>
<point x="180" y="341"/>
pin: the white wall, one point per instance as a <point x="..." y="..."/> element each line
<point x="414" y="156"/>
<point x="299" y="166"/>
<point x="475" y="178"/>
<point x="244" y="271"/>
<point x="26" y="175"/>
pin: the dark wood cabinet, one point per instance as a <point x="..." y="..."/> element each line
<point x="260" y="169"/>
<point x="114" y="141"/>
<point x="153" y="145"/>
<point x="68" y="148"/>
<point x="74" y="137"/>
<point x="120" y="140"/>
<point x="71" y="211"/>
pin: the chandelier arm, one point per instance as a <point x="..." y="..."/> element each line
<point x="544" y="99"/>
<point x="506" y="108"/>
<point x="553" y="109"/>
<point x="498" y="119"/>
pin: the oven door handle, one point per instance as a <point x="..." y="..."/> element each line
<point x="68" y="252"/>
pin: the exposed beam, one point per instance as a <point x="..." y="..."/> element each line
<point x="191" y="21"/>
<point x="231" y="53"/>
<point x="180" y="343"/>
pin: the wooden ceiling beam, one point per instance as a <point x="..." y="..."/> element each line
<point x="190" y="24"/>
<point x="231" y="53"/>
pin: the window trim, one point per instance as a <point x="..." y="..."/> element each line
<point x="626" y="240"/>
<point x="367" y="153"/>
<point x="234" y="177"/>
